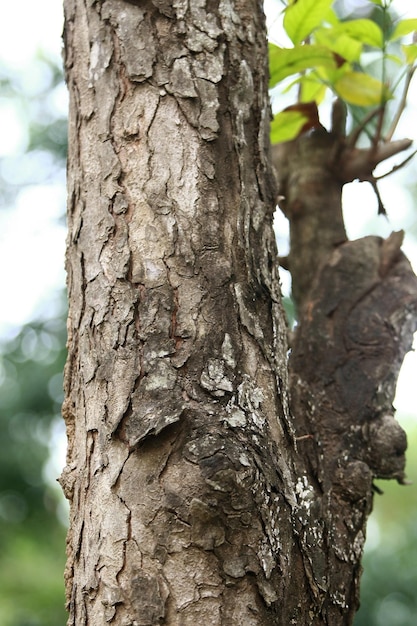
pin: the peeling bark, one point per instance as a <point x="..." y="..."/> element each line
<point x="190" y="498"/>
<point x="176" y="375"/>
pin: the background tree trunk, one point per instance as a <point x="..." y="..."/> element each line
<point x="190" y="499"/>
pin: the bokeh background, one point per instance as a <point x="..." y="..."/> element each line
<point x="33" y="513"/>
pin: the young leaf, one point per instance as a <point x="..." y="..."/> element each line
<point x="286" y="125"/>
<point x="303" y="16"/>
<point x="284" y="62"/>
<point x="410" y="53"/>
<point x="331" y="17"/>
<point x="363" y="30"/>
<point x="312" y="89"/>
<point x="404" y="27"/>
<point x="294" y="120"/>
<point x="361" y="89"/>
<point x="342" y="44"/>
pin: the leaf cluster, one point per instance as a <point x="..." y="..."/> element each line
<point x="330" y="54"/>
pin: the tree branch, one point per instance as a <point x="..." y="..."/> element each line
<point x="402" y="103"/>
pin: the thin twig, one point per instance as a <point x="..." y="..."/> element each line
<point x="402" y="104"/>
<point x="397" y="167"/>
<point x="377" y="136"/>
<point x="381" y="208"/>
<point x="355" y="134"/>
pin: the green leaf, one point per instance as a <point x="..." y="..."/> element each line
<point x="363" y="30"/>
<point x="312" y="86"/>
<point x="345" y="46"/>
<point x="331" y="17"/>
<point x="312" y="89"/>
<point x="287" y="125"/>
<point x="410" y="53"/>
<point x="284" y="62"/>
<point x="404" y="27"/>
<point x="361" y="89"/>
<point x="303" y="16"/>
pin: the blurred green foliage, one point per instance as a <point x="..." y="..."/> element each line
<point x="38" y="97"/>
<point x="32" y="508"/>
<point x="32" y="539"/>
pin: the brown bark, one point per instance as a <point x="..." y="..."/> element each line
<point x="190" y="499"/>
<point x="357" y="303"/>
<point x="176" y="365"/>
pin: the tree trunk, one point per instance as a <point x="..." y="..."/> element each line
<point x="198" y="492"/>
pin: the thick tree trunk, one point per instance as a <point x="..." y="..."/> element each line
<point x="178" y="463"/>
<point x="190" y="498"/>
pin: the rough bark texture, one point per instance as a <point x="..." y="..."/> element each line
<point x="190" y="500"/>
<point x="178" y="470"/>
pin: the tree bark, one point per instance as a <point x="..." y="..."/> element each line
<point x="191" y="498"/>
<point x="357" y="311"/>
